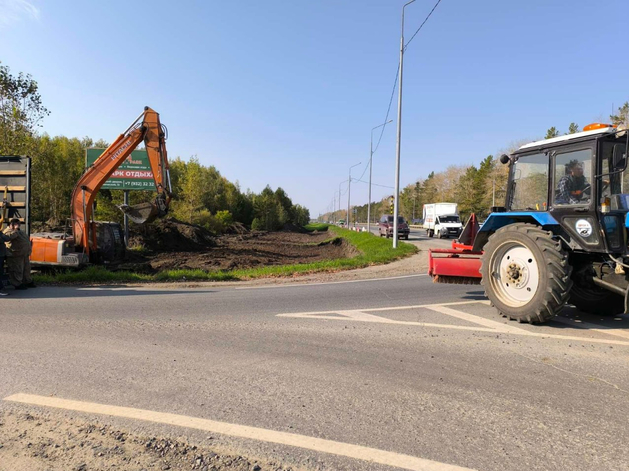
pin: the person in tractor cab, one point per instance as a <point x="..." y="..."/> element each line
<point x="19" y="251"/>
<point x="573" y="188"/>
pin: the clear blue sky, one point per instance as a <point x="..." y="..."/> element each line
<point x="286" y="92"/>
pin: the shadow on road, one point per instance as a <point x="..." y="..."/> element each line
<point x="475" y="295"/>
<point x="569" y="317"/>
<point x="56" y="292"/>
<point x="577" y="319"/>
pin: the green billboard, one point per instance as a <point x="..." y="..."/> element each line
<point x="133" y="174"/>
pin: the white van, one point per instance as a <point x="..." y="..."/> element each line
<point x="442" y="219"/>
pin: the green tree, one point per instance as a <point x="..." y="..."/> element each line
<point x="57" y="164"/>
<point x="265" y="207"/>
<point x="468" y="193"/>
<point x="552" y="132"/>
<point x="573" y="128"/>
<point x="622" y="118"/>
<point x="192" y="192"/>
<point x="21" y="112"/>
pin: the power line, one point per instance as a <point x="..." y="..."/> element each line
<point x="422" y="25"/>
<point x="386" y="118"/>
<point x="374" y="184"/>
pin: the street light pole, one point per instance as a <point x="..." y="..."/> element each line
<point x="396" y="205"/>
<point x="340" y="197"/>
<point x="370" y="164"/>
<point x="349" y="188"/>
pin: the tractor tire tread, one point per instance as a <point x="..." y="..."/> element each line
<point x="555" y="261"/>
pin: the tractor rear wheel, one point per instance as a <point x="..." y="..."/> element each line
<point x="525" y="273"/>
<point x="595" y="300"/>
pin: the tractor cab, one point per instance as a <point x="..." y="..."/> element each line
<point x="575" y="184"/>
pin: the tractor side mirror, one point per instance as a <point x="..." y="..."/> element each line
<point x="505" y="159"/>
<point x="619" y="158"/>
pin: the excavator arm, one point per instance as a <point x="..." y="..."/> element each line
<point x="147" y="128"/>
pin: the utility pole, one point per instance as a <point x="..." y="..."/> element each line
<point x="340" y="198"/>
<point x="349" y="188"/>
<point x="370" y="165"/>
<point x="396" y="206"/>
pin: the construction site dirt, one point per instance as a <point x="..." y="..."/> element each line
<point x="172" y="245"/>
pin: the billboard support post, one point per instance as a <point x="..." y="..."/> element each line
<point x="126" y="219"/>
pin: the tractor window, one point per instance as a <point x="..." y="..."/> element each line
<point x="529" y="187"/>
<point x="573" y="177"/>
<point x="614" y="183"/>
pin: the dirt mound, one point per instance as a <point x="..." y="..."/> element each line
<point x="237" y="228"/>
<point x="171" y="235"/>
<point x="288" y="227"/>
<point x="52" y="225"/>
<point x="242" y="251"/>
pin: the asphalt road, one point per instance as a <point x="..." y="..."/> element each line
<point x="387" y="364"/>
<point x="418" y="237"/>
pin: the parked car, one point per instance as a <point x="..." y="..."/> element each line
<point x="385" y="227"/>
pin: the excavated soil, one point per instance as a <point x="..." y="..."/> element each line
<point x="171" y="245"/>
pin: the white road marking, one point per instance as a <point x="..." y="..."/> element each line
<point x="464" y="316"/>
<point x="105" y="288"/>
<point x="419" y="306"/>
<point x="360" y="316"/>
<point x="358" y="452"/>
<point x="305" y="284"/>
<point x="484" y="325"/>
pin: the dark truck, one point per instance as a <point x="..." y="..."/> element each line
<point x="386" y="227"/>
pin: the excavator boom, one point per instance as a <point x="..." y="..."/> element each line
<point x="147" y="128"/>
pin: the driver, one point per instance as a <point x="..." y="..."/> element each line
<point x="573" y="187"/>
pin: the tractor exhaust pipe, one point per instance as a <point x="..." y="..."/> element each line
<point x="609" y="286"/>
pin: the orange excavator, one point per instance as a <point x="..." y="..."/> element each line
<point x="93" y="241"/>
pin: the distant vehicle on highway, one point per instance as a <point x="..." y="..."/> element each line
<point x="385" y="227"/>
<point x="417" y="221"/>
<point x="442" y="219"/>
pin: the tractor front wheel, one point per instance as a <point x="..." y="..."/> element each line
<point x="525" y="273"/>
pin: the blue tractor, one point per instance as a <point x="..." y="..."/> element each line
<point x="561" y="236"/>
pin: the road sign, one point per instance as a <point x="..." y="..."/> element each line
<point x="133" y="174"/>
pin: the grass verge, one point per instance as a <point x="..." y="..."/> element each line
<point x="316" y="226"/>
<point x="373" y="251"/>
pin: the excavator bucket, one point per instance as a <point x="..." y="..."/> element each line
<point x="460" y="264"/>
<point x="140" y="213"/>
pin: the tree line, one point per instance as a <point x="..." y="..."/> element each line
<point x="201" y="195"/>
<point x="476" y="188"/>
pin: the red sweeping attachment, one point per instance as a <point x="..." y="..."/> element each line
<point x="460" y="264"/>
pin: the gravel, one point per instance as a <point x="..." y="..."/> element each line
<point x="37" y="443"/>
